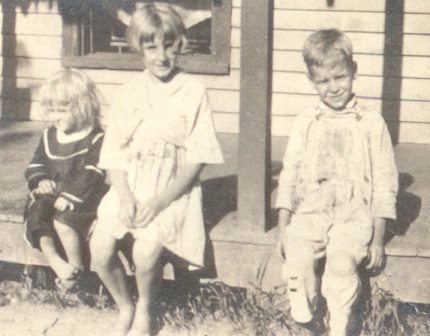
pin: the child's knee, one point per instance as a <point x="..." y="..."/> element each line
<point x="341" y="264"/>
<point x="103" y="252"/>
<point x="63" y="228"/>
<point x="147" y="255"/>
<point x="101" y="261"/>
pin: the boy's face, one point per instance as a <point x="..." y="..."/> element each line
<point x="159" y="57"/>
<point x="334" y="84"/>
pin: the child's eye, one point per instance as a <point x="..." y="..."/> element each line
<point x="57" y="110"/>
<point x="149" y="46"/>
<point x="171" y="46"/>
<point x="321" y="81"/>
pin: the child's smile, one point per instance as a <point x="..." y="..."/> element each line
<point x="62" y="117"/>
<point x="334" y="85"/>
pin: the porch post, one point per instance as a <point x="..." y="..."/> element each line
<point x="254" y="138"/>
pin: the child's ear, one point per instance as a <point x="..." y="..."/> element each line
<point x="309" y="75"/>
<point x="354" y="70"/>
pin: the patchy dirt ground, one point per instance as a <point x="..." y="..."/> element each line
<point x="28" y="309"/>
<point x="29" y="319"/>
<point x="25" y="318"/>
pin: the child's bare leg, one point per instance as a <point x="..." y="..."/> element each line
<point x="146" y="255"/>
<point x="106" y="262"/>
<point x="72" y="244"/>
<point x="341" y="285"/>
<point x="61" y="268"/>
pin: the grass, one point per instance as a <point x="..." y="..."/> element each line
<point x="387" y="316"/>
<point x="240" y="311"/>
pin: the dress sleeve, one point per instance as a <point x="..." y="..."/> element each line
<point x="87" y="182"/>
<point x="36" y="171"/>
<point x="384" y="172"/>
<point x="291" y="164"/>
<point x="114" y="153"/>
<point x="202" y="145"/>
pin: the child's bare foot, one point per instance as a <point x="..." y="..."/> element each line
<point x="63" y="269"/>
<point x="135" y="333"/>
<point x="124" y="321"/>
<point x="141" y="325"/>
<point x="65" y="285"/>
<point x="68" y="284"/>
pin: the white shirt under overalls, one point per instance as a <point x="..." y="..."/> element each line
<point x="338" y="175"/>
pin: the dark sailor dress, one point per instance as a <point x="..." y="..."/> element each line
<point x="73" y="167"/>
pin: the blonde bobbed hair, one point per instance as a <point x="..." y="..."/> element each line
<point x="72" y="86"/>
<point x="328" y="47"/>
<point x="155" y="20"/>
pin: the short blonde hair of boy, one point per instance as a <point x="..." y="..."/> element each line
<point x="155" y="20"/>
<point x="72" y="86"/>
<point x="328" y="47"/>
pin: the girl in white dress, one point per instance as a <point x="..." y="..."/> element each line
<point x="159" y="137"/>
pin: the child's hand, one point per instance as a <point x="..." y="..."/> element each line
<point x="281" y="245"/>
<point x="127" y="211"/>
<point x="46" y="187"/>
<point x="148" y="211"/>
<point x="62" y="204"/>
<point x="284" y="218"/>
<point x="375" y="255"/>
<point x="376" y="252"/>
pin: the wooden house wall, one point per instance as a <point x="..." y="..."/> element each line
<point x="407" y="66"/>
<point x="31" y="51"/>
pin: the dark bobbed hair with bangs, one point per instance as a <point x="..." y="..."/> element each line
<point x="155" y="20"/>
<point x="327" y="48"/>
<point x="72" y="86"/>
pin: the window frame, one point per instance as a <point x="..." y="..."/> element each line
<point x="218" y="62"/>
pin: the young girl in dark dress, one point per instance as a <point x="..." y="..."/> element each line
<point x="65" y="183"/>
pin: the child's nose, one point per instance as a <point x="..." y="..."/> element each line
<point x="162" y="54"/>
<point x="333" y="85"/>
<point x="55" y="115"/>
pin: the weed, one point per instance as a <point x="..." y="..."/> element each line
<point x="416" y="317"/>
<point x="269" y="312"/>
<point x="250" y="311"/>
<point x="382" y="316"/>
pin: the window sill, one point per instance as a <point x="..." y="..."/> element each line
<point x="201" y="64"/>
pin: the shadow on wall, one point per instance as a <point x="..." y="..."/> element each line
<point x="220" y="197"/>
<point x="392" y="71"/>
<point x="15" y="101"/>
<point x="408" y="208"/>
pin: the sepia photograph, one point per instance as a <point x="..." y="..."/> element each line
<point x="215" y="168"/>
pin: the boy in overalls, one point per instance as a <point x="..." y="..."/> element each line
<point x="337" y="188"/>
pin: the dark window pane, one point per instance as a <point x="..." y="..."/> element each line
<point x="105" y="29"/>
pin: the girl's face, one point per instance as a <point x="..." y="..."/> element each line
<point x="59" y="112"/>
<point x="160" y="57"/>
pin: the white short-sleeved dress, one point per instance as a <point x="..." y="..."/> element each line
<point x="152" y="133"/>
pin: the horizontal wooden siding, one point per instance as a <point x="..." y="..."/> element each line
<point x="31" y="51"/>
<point x="364" y="22"/>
